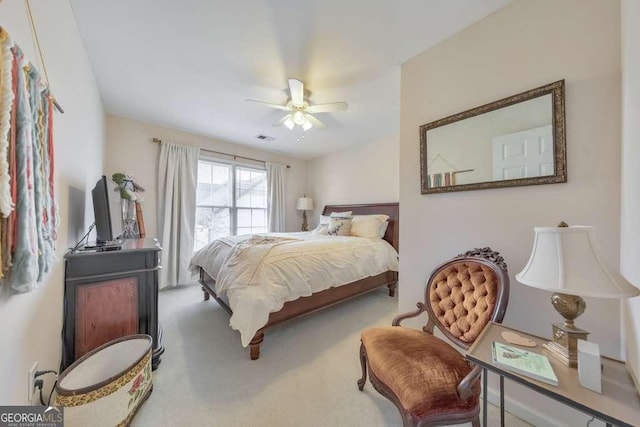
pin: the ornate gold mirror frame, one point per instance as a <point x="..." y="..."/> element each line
<point x="556" y="90"/>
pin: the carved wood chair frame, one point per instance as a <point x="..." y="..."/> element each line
<point x="484" y="256"/>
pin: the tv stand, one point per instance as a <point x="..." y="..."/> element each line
<point x="103" y="246"/>
<point x="109" y="248"/>
<point x="111" y="291"/>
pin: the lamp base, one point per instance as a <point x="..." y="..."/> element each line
<point x="304" y="221"/>
<point x="564" y="346"/>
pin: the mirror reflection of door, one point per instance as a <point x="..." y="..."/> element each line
<point x="523" y="154"/>
<point x="519" y="140"/>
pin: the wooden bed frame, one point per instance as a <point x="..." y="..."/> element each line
<point x="328" y="297"/>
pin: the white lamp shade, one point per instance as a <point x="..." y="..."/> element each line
<point x="305" y="204"/>
<point x="569" y="260"/>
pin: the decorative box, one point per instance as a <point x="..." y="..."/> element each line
<point x="106" y="386"/>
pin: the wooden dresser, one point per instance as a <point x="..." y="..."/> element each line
<point x="110" y="294"/>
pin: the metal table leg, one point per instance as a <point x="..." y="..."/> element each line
<point x="501" y="401"/>
<point x="484" y="399"/>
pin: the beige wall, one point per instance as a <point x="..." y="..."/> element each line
<point x="524" y="45"/>
<point x="130" y="150"/>
<point x="630" y="219"/>
<point x="365" y="173"/>
<point x="32" y="322"/>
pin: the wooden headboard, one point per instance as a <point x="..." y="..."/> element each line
<point x="392" y="209"/>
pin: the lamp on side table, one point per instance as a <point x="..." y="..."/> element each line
<point x="568" y="261"/>
<point x="305" y="204"/>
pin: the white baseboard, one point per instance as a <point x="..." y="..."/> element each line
<point x="522" y="411"/>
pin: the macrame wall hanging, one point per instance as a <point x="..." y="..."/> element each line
<point x="28" y="211"/>
<point x="443" y="179"/>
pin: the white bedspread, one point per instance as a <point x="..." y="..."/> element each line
<point x="260" y="273"/>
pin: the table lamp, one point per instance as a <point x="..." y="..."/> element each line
<point x="305" y="204"/>
<point x="568" y="261"/>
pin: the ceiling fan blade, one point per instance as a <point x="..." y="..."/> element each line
<point x="315" y="122"/>
<point x="268" y="104"/>
<point x="296" y="89"/>
<point x="326" y="108"/>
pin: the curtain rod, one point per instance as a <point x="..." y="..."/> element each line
<point x="158" y="141"/>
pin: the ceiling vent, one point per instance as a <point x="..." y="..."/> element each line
<point x="265" y="138"/>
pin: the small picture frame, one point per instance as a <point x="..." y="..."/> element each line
<point x="589" y="366"/>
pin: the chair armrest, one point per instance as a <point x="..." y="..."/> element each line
<point x="400" y="317"/>
<point x="466" y="385"/>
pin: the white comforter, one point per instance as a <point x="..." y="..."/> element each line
<point x="260" y="273"/>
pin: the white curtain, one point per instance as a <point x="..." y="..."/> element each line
<point x="276" y="178"/>
<point x="177" y="182"/>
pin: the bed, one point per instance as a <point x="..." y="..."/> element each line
<point x="316" y="300"/>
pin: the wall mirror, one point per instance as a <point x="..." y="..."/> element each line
<point x="519" y="140"/>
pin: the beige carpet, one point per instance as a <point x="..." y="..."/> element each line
<point x="306" y="374"/>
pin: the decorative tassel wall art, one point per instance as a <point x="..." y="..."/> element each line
<point x="28" y="209"/>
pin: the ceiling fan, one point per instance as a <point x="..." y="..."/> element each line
<point x="300" y="112"/>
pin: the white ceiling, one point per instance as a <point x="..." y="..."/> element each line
<point x="190" y="64"/>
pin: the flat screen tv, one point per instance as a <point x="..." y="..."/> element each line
<point x="107" y="209"/>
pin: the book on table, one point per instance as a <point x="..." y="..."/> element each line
<point x="534" y="365"/>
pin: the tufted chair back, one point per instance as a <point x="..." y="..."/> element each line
<point x="466" y="293"/>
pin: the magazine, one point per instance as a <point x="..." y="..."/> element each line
<point x="524" y="362"/>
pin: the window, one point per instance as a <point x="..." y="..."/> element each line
<point x="231" y="199"/>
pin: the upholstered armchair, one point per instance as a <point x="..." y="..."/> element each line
<point x="428" y="379"/>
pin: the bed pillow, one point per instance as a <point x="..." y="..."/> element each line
<point x="321" y="229"/>
<point x="345" y="214"/>
<point x="381" y="217"/>
<point x="367" y="226"/>
<point x="383" y="229"/>
<point x="339" y="226"/>
<point x="324" y="219"/>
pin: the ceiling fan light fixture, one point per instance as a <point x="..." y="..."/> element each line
<point x="289" y="123"/>
<point x="299" y="112"/>
<point x="298" y="118"/>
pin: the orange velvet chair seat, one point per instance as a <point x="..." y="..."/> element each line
<point x="422" y="370"/>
